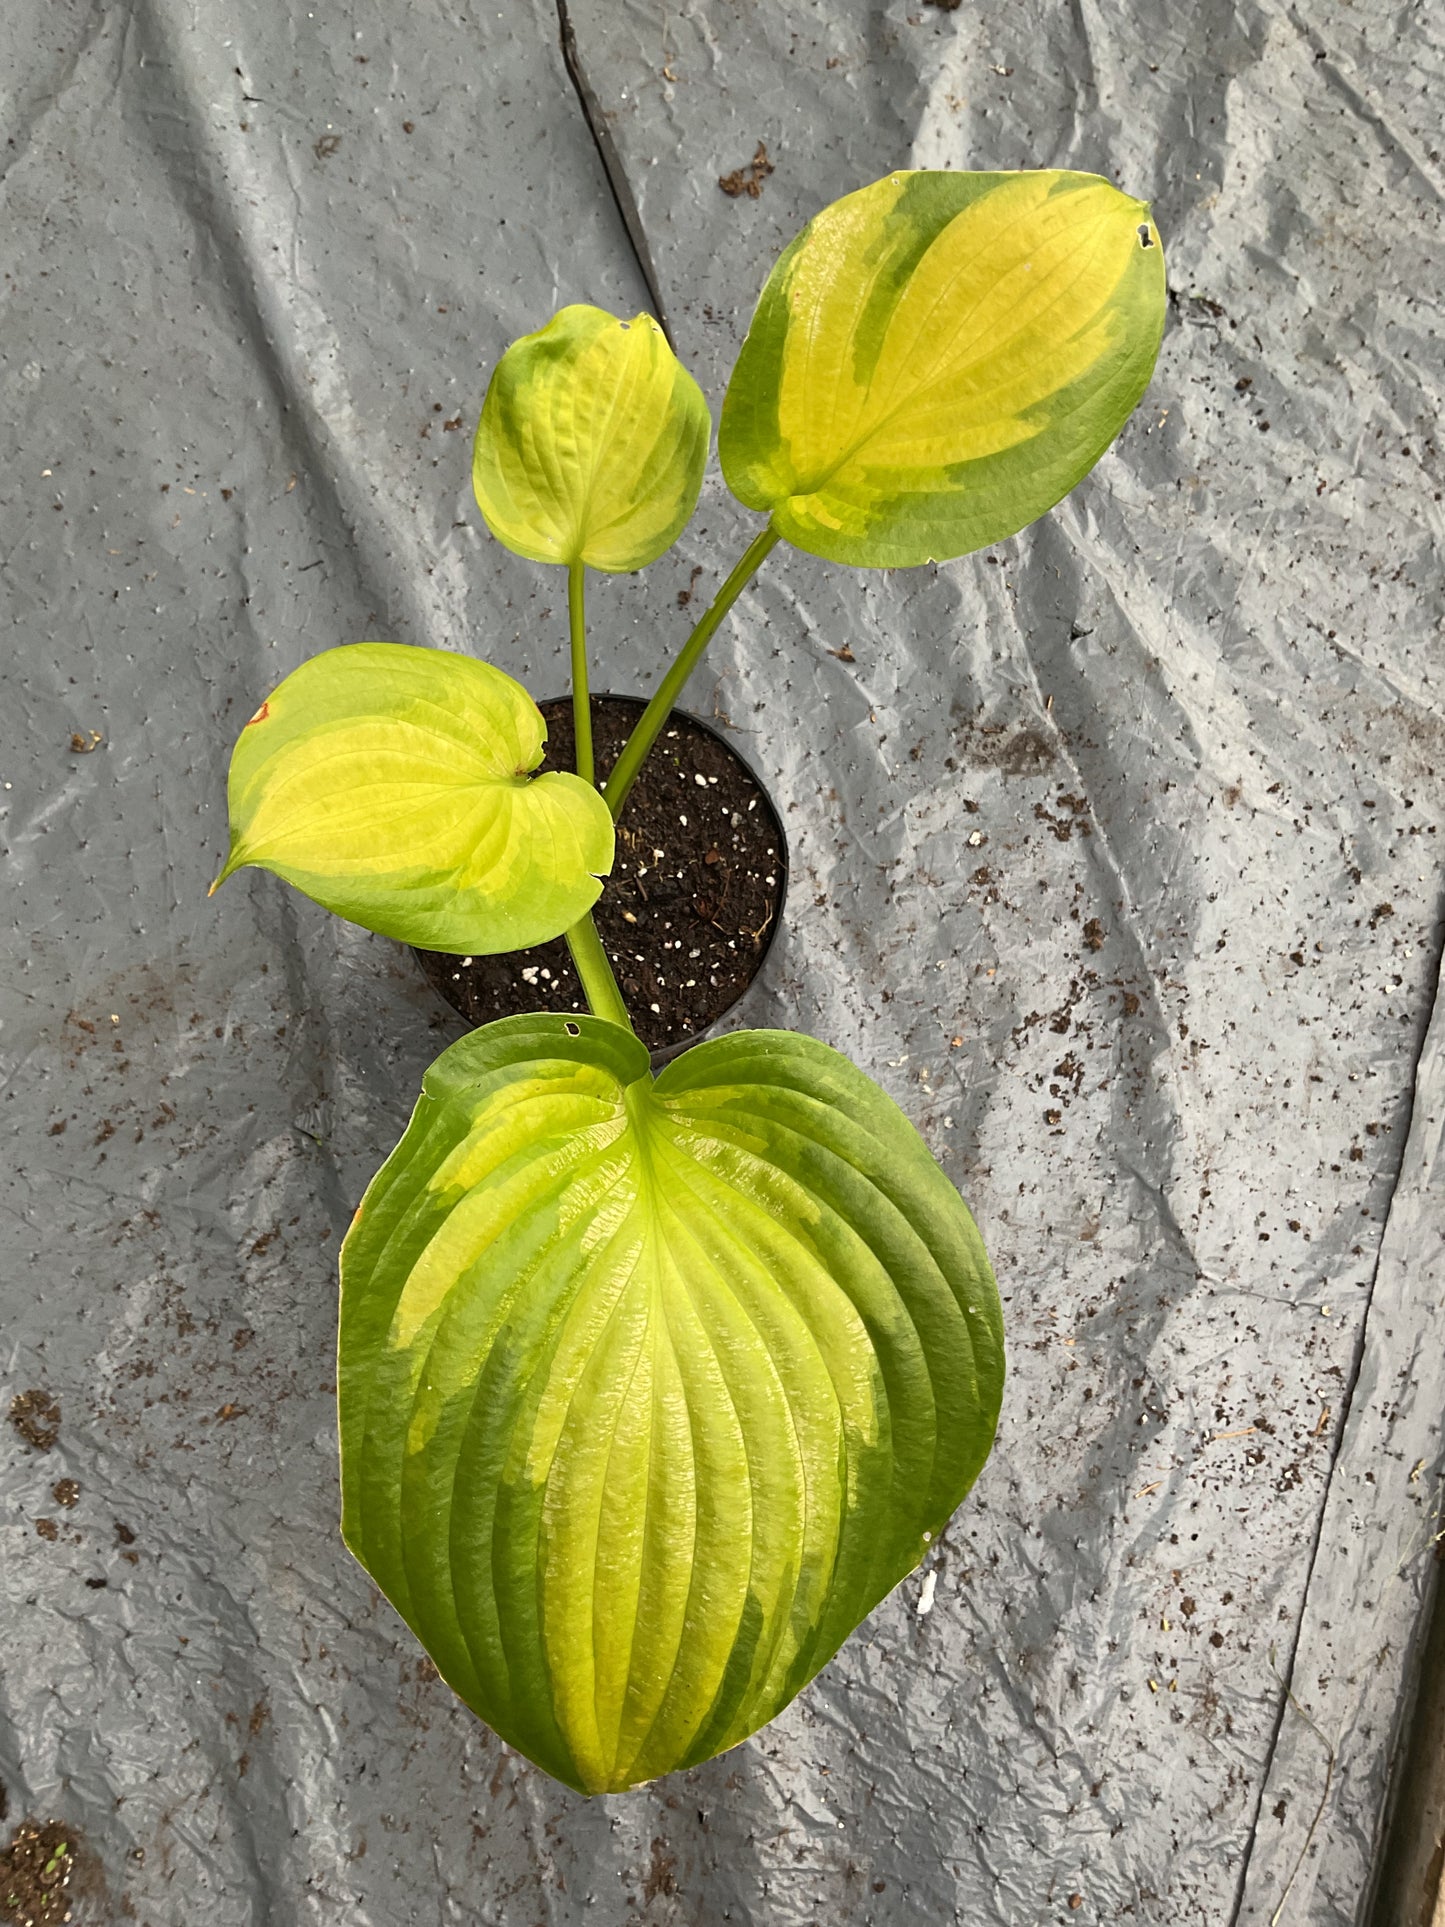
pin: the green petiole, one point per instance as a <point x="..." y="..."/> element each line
<point x="581" y="698"/>
<point x="650" y="723"/>
<point x="589" y="959"/>
<point x="594" y="973"/>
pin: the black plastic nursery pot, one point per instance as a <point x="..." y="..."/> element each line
<point x="694" y="900"/>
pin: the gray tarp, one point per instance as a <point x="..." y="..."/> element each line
<point x="1115" y="857"/>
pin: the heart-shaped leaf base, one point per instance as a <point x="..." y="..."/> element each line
<point x="650" y="1391"/>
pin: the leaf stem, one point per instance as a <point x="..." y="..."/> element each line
<point x="650" y="723"/>
<point x="589" y="959"/>
<point x="594" y="973"/>
<point x="581" y="700"/>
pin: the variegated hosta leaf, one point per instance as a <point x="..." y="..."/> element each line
<point x="392" y="785"/>
<point x="650" y="1391"/>
<point x="940" y="357"/>
<point x="592" y="442"/>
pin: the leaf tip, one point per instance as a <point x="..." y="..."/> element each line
<point x="237" y="860"/>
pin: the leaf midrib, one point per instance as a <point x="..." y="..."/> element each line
<point x="813" y="487"/>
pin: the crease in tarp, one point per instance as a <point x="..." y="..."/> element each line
<point x="26" y="118"/>
<point x="1364" y="108"/>
<point x="616" y="173"/>
<point x="1351" y="1431"/>
<point x="220" y="214"/>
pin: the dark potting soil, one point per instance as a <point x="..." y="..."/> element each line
<point x="693" y="900"/>
<point x="38" y="1885"/>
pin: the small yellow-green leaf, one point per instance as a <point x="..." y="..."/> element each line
<point x="393" y="785"/>
<point x="592" y="443"/>
<point x="650" y="1391"/>
<point x="938" y="359"/>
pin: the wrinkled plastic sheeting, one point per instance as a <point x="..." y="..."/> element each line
<point x="1115" y="858"/>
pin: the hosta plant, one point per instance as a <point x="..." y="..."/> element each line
<point x="651" y="1387"/>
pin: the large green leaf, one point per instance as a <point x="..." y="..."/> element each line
<point x="650" y="1391"/>
<point x="592" y="442"/>
<point x="938" y="358"/>
<point x="392" y="785"/>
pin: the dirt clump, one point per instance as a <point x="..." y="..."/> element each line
<point x="36" y="1417"/>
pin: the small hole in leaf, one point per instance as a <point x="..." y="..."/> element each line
<point x="1146" y="239"/>
<point x="574" y="1030"/>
